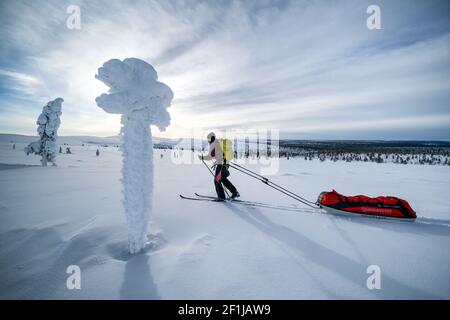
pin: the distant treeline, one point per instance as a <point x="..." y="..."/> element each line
<point x="403" y="152"/>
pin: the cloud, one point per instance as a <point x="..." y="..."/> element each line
<point x="293" y="65"/>
<point x="20" y="82"/>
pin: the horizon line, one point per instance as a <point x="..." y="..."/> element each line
<point x="281" y="139"/>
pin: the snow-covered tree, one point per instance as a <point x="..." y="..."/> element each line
<point x="136" y="93"/>
<point x="48" y="123"/>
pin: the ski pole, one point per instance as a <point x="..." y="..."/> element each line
<point x="207" y="167"/>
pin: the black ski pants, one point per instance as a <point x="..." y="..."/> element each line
<point x="221" y="177"/>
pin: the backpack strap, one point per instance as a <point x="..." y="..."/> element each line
<point x="224" y="150"/>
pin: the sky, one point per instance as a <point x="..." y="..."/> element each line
<point x="310" y="69"/>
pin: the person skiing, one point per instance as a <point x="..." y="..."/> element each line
<point x="221" y="172"/>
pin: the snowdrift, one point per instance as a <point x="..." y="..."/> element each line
<point x="390" y="207"/>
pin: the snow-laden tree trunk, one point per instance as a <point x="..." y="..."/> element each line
<point x="137" y="177"/>
<point x="136" y="93"/>
<point x="48" y="123"/>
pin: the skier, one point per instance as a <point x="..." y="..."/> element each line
<point x="221" y="174"/>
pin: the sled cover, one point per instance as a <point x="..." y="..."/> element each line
<point x="380" y="206"/>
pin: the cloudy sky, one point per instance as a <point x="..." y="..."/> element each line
<point x="311" y="69"/>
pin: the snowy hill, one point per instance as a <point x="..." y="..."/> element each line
<point x="72" y="215"/>
<point x="74" y="140"/>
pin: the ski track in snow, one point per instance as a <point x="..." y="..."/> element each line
<point x="55" y="217"/>
<point x="4" y="166"/>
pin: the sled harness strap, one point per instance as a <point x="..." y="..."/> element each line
<point x="272" y="184"/>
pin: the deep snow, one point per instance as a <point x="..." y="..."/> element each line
<point x="55" y="217"/>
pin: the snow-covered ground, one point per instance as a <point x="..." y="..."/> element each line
<point x="51" y="218"/>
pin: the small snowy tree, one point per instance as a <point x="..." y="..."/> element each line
<point x="136" y="93"/>
<point x="48" y="123"/>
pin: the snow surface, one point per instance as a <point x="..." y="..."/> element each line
<point x="51" y="218"/>
<point x="142" y="100"/>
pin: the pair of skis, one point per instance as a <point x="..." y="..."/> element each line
<point x="199" y="197"/>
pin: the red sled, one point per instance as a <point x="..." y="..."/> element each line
<point x="385" y="207"/>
